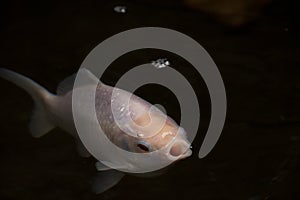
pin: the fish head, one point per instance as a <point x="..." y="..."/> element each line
<point x="158" y="132"/>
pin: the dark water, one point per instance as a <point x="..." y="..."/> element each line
<point x="257" y="156"/>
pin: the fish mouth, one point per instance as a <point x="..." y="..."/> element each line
<point x="179" y="150"/>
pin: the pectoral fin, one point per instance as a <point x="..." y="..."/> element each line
<point x="82" y="151"/>
<point x="106" y="179"/>
<point x="101" y="167"/>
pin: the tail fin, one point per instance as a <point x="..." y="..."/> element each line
<point x="39" y="124"/>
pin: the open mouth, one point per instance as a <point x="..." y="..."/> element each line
<point x="180" y="149"/>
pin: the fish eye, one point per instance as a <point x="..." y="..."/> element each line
<point x="145" y="146"/>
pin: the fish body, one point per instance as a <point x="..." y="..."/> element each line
<point x="136" y="128"/>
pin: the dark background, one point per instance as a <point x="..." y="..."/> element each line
<point x="257" y="156"/>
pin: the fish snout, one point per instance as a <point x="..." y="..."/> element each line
<point x="179" y="149"/>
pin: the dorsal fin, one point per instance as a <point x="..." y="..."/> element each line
<point x="67" y="84"/>
<point x="87" y="77"/>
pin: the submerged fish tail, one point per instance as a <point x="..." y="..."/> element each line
<point x="40" y="123"/>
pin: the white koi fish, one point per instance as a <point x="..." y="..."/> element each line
<point x="55" y="110"/>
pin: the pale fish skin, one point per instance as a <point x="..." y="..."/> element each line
<point x="55" y="110"/>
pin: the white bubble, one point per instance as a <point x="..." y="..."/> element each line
<point x="120" y="9"/>
<point x="160" y="63"/>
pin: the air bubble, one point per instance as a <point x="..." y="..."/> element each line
<point x="120" y="9"/>
<point x="161" y="63"/>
